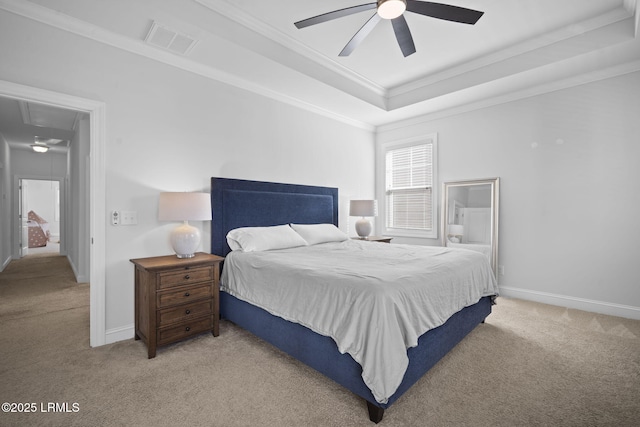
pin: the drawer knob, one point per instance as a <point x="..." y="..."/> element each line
<point x="187" y="312"/>
<point x="188" y="328"/>
<point x="186" y="294"/>
<point x="187" y="277"/>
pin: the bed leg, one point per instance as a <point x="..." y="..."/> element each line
<point x="375" y="412"/>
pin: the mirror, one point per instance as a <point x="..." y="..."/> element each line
<point x="470" y="216"/>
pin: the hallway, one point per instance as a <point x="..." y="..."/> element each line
<point x="34" y="291"/>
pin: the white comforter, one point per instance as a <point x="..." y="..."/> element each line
<point x="483" y="249"/>
<point x="373" y="299"/>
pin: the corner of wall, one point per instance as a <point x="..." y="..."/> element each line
<point x="80" y="278"/>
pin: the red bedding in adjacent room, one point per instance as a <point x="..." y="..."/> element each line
<point x="38" y="230"/>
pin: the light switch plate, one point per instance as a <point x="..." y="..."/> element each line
<point x="128" y="217"/>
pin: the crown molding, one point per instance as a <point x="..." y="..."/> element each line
<point x="81" y="28"/>
<point x="516" y="95"/>
<point x="429" y="108"/>
<point x="511" y="52"/>
<point x="232" y="12"/>
<point x="396" y="97"/>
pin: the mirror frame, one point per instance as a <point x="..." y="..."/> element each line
<point x="495" y="208"/>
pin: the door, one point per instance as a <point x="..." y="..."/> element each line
<point x="23" y="210"/>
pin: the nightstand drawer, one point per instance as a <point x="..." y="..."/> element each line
<point x="184" y="276"/>
<point x="183" y="312"/>
<point x="184" y="330"/>
<point x="183" y="295"/>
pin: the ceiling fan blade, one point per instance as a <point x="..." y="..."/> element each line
<point x="334" y="15"/>
<point x="403" y="35"/>
<point x="444" y="11"/>
<point x="360" y="35"/>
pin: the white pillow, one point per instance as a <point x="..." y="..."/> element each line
<point x="319" y="233"/>
<point x="250" y="239"/>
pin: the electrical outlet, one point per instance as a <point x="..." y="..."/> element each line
<point x="115" y="218"/>
<point x="501" y="270"/>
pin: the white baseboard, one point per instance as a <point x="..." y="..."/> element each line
<point x="119" y="334"/>
<point x="602" y="307"/>
<point x="6" y="262"/>
<point x="79" y="277"/>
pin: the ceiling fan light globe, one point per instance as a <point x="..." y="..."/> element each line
<point x="391" y="9"/>
<point x="38" y="148"/>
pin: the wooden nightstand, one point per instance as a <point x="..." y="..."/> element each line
<point x="176" y="298"/>
<point x="376" y="239"/>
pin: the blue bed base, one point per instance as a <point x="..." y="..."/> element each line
<point x="240" y="203"/>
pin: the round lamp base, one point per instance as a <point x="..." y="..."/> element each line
<point x="185" y="240"/>
<point x="363" y="227"/>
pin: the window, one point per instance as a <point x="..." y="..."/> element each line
<point x="409" y="199"/>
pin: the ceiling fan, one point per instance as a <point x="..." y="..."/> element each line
<point x="393" y="10"/>
<point x="42" y="145"/>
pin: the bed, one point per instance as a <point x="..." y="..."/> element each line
<point x="38" y="230"/>
<point x="482" y="248"/>
<point x="240" y="203"/>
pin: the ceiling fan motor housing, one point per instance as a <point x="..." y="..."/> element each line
<point x="391" y="9"/>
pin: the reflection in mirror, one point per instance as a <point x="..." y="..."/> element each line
<point x="470" y="216"/>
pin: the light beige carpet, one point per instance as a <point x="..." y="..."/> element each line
<point x="528" y="365"/>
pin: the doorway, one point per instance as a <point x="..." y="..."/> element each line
<point x="96" y="191"/>
<point x="41" y="214"/>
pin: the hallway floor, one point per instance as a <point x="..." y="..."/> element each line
<point x="50" y="248"/>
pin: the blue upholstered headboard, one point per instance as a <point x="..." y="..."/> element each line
<point x="240" y="203"/>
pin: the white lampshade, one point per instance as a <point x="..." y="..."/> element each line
<point x="456" y="229"/>
<point x="391" y="9"/>
<point x="186" y="207"/>
<point x="363" y="208"/>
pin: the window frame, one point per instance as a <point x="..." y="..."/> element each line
<point x="381" y="187"/>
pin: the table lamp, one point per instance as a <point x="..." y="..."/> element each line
<point x="363" y="209"/>
<point x="186" y="207"/>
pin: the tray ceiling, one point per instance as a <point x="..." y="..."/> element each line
<point x="515" y="49"/>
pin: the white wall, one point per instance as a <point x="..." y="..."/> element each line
<point x="568" y="164"/>
<point x="168" y="130"/>
<point x="37" y="165"/>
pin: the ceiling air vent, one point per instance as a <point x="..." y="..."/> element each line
<point x="166" y="38"/>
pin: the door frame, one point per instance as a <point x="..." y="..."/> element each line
<point x="97" y="192"/>
<point x="63" y="208"/>
<point x="23" y="223"/>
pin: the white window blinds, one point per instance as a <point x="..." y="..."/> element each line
<point x="409" y="187"/>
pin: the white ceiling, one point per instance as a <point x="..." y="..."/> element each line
<point x="441" y="45"/>
<point x="517" y="48"/>
<point x="21" y="123"/>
